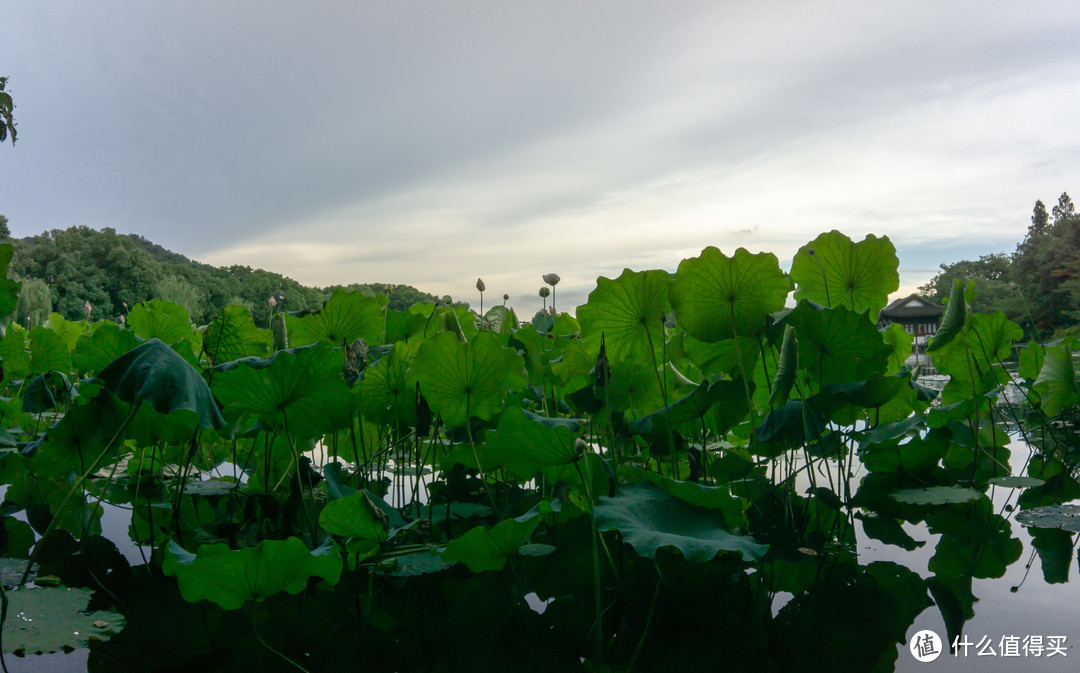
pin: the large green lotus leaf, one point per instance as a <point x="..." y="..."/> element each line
<point x="344" y="317"/>
<point x="875" y="391"/>
<point x="837" y="345"/>
<point x="1017" y="482"/>
<point x="649" y="519"/>
<point x="48" y="352"/>
<point x="896" y="336"/>
<point x="833" y="270"/>
<point x="484" y="549"/>
<point x="628" y="314"/>
<point x="732" y="357"/>
<point x="94" y="351"/>
<point x="9" y="289"/>
<point x="162" y="320"/>
<point x="1056" y="384"/>
<point x="51" y="619"/>
<point x="530" y="344"/>
<point x="1031" y="360"/>
<point x="297" y="388"/>
<point x="155" y="373"/>
<point x="68" y="331"/>
<point x="687" y="409"/>
<point x="524" y="443"/>
<point x="918" y="455"/>
<point x="232" y="577"/>
<point x="973" y="358"/>
<point x="574" y="364"/>
<point x="404" y="326"/>
<point x="717" y="498"/>
<point x="386" y="393"/>
<point x="467" y="380"/>
<point x="354" y="516"/>
<point x="718" y="297"/>
<point x="13" y="353"/>
<point x="233" y="335"/>
<point x="631" y="387"/>
<point x="500" y="320"/>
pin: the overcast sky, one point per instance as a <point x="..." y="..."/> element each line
<point x="431" y="142"/>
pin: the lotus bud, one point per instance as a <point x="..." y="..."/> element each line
<point x="552" y="279"/>
<point x="273" y="301"/>
<point x="545" y="293"/>
<point x="87" y="308"/>
<point x="480" y="285"/>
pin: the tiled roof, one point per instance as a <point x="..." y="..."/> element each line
<point x="912" y="306"/>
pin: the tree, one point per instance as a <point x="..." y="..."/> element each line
<point x="993" y="275"/>
<point x="35" y="303"/>
<point x="1039" y="219"/>
<point x="7" y="107"/>
<point x="5" y="231"/>
<point x="1064" y="209"/>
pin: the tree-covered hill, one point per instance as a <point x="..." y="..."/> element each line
<point x="63" y="269"/>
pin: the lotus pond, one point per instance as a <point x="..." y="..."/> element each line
<point x="688" y="475"/>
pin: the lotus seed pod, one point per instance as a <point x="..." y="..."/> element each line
<point x="506" y="297"/>
<point x="480" y="285"/>
<point x="552" y="279"/>
<point x="545" y="293"/>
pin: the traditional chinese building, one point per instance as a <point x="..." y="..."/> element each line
<point x="918" y="316"/>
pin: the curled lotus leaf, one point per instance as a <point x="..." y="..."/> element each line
<point x="156" y="374"/>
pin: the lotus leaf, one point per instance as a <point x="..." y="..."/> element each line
<point x="232" y="577"/>
<point x="628" y="315"/>
<point x="354" y="516"/>
<point x="344" y="317"/>
<point x="51" y="619"/>
<point x="155" y="373"/>
<point x="9" y="289"/>
<point x="650" y="519"/>
<point x="48" y="352"/>
<point x="833" y="270"/>
<point x="1065" y="517"/>
<point x="1056" y="383"/>
<point x="93" y="352"/>
<point x="297" y="388"/>
<point x="484" y="549"/>
<point x="161" y="319"/>
<point x="467" y="380"/>
<point x="233" y="335"/>
<point x="936" y="495"/>
<point x="837" y="345"/>
<point x="718" y="297"/>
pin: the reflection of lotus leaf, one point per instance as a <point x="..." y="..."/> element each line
<point x="1065" y="517"/>
<point x="936" y="495"/>
<point x="1017" y="482"/>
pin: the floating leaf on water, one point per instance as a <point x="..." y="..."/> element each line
<point x="412" y="565"/>
<point x="535" y="549"/>
<point x="936" y="495"/>
<point x="1065" y="517"/>
<point x="1017" y="482"/>
<point x="50" y="619"/>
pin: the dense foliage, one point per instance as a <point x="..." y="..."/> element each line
<point x="417" y="490"/>
<point x="1038" y="285"/>
<point x="113" y="272"/>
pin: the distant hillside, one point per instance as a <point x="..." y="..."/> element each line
<point x="61" y="270"/>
